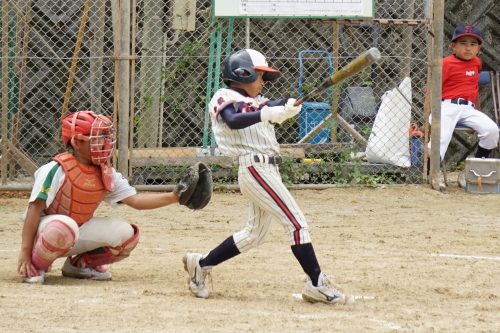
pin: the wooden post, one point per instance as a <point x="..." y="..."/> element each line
<point x="123" y="83"/>
<point x="436" y="89"/>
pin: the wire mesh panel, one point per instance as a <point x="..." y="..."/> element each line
<point x="56" y="59"/>
<point x="59" y="57"/>
<point x="192" y="49"/>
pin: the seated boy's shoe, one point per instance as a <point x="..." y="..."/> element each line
<point x="461" y="179"/>
<point x="196" y="274"/>
<point x="98" y="273"/>
<point x="324" y="292"/>
<point x="35" y="279"/>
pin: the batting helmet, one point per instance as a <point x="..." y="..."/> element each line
<point x="98" y="129"/>
<point x="240" y="67"/>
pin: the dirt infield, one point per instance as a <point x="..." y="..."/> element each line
<point x="417" y="259"/>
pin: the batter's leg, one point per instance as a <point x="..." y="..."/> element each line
<point x="263" y="186"/>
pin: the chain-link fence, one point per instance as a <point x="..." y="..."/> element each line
<point x="59" y="57"/>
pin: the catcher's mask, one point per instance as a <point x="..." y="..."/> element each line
<point x="88" y="126"/>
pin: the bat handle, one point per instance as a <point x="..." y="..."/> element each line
<point x="298" y="102"/>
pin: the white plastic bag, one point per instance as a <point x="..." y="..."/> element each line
<point x="388" y="141"/>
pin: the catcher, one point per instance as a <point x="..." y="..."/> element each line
<point x="59" y="220"/>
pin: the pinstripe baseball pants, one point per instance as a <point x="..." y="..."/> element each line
<point x="270" y="200"/>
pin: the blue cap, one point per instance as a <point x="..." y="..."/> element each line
<point x="467" y="30"/>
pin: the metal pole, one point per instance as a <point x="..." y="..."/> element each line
<point x="123" y="77"/>
<point x="5" y="90"/>
<point x="436" y="89"/>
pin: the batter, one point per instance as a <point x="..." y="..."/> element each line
<point x="242" y="124"/>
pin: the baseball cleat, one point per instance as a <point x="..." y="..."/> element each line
<point x="325" y="293"/>
<point x="99" y="273"/>
<point x="462" y="182"/>
<point x="196" y="274"/>
<point x="35" y="279"/>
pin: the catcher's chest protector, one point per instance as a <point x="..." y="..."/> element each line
<point x="82" y="190"/>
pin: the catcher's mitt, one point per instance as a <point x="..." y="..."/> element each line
<point x="195" y="188"/>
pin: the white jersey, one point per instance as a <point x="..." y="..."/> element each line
<point x="256" y="139"/>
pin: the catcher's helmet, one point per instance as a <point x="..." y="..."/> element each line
<point x="241" y="65"/>
<point x="98" y="129"/>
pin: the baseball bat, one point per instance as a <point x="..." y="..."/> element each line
<point x="357" y="65"/>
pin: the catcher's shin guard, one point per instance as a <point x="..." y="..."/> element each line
<point x="107" y="255"/>
<point x="55" y="240"/>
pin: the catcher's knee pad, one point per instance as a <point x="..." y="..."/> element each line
<point x="55" y="240"/>
<point x="108" y="255"/>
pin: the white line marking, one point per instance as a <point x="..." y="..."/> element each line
<point x="387" y="324"/>
<point x="363" y="297"/>
<point x="431" y="254"/>
<point x="462" y="256"/>
<point x="299" y="296"/>
<point x="92" y="300"/>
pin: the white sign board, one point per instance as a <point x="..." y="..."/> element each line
<point x="352" y="9"/>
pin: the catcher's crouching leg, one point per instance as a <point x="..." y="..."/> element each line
<point x="196" y="187"/>
<point x="107" y="255"/>
<point x="56" y="239"/>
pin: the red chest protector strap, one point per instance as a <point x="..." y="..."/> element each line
<point x="82" y="191"/>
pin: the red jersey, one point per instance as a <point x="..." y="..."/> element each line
<point x="460" y="78"/>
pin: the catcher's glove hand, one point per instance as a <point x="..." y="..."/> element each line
<point x="195" y="188"/>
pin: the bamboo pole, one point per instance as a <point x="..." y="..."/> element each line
<point x="97" y="27"/>
<point x="74" y="61"/>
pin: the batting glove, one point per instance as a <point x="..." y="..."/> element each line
<point x="290" y="109"/>
<point x="273" y="114"/>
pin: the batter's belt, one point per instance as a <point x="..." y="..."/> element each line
<point x="250" y="159"/>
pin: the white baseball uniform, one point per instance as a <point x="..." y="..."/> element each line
<point x="98" y="231"/>
<point x="255" y="147"/>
